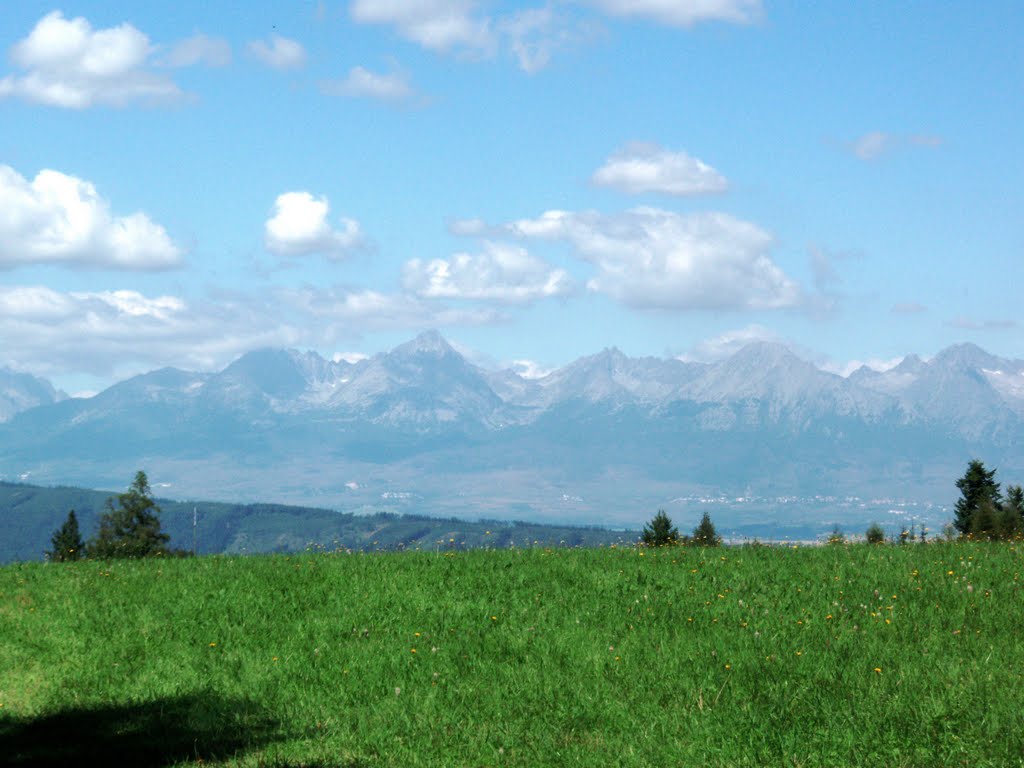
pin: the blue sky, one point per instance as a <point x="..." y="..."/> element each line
<point x="180" y="183"/>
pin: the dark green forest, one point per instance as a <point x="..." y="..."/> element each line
<point x="30" y="514"/>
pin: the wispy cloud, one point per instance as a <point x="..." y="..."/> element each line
<point x="874" y="144"/>
<point x="683" y="13"/>
<point x="279" y="52"/>
<point x="363" y="83"/>
<point x="199" y="49"/>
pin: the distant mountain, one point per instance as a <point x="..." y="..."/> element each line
<point x="605" y="439"/>
<point x="21" y="391"/>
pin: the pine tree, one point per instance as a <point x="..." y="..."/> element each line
<point x="67" y="541"/>
<point x="704" y="534"/>
<point x="659" y="532"/>
<point x="132" y="528"/>
<point x="875" y="534"/>
<point x="1015" y="500"/>
<point x="977" y="487"/>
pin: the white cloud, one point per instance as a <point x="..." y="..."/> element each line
<point x="343" y="312"/>
<point x="349" y="357"/>
<point x="117" y="332"/>
<point x="68" y="64"/>
<point x="299" y="226"/>
<point x="534" y="35"/>
<point x="965" y="323"/>
<point x="440" y="25"/>
<point x="503" y="273"/>
<point x="727" y="344"/>
<point x="871" y="145"/>
<point x="683" y="13"/>
<point x="280" y="53"/>
<point x="114" y="334"/>
<point x="654" y="259"/>
<point x="530" y="369"/>
<point x="641" y="167"/>
<point x="845" y="369"/>
<point x="200" y="49"/>
<point x="61" y="219"/>
<point x="468" y="227"/>
<point x="361" y="82"/>
<point x="874" y="144"/>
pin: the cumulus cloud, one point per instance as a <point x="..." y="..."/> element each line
<point x="61" y="219"/>
<point x="641" y="167"/>
<point x="654" y="259"/>
<point x="440" y="25"/>
<point x="683" y="13"/>
<point x="502" y="272"/>
<point x="200" y="49"/>
<point x="362" y="83"/>
<point x="279" y="53"/>
<point x="68" y="64"/>
<point x="299" y="226"/>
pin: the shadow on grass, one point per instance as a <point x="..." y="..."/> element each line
<point x="199" y="726"/>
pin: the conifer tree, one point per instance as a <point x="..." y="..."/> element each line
<point x="705" y="534"/>
<point x="875" y="534"/>
<point x="979" y="492"/>
<point x="67" y="541"/>
<point x="659" y="532"/>
<point x="132" y="528"/>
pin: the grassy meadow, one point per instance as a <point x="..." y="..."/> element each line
<point x="812" y="656"/>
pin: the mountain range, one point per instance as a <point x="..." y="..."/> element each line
<point x="606" y="439"/>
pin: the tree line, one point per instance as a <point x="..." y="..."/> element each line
<point x="981" y="513"/>
<point x="130" y="527"/>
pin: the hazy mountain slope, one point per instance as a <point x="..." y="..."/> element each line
<point x="21" y="391"/>
<point x="602" y="437"/>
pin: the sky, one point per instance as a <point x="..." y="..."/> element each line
<point x="183" y="182"/>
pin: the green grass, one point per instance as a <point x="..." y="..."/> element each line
<point x="817" y="656"/>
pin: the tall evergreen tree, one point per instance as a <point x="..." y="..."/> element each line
<point x="1015" y="500"/>
<point x="132" y="528"/>
<point x="660" y="531"/>
<point x="67" y="541"/>
<point x="705" y="534"/>
<point x="978" y="489"/>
